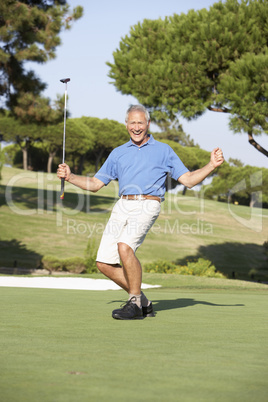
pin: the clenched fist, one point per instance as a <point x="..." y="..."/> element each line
<point x="63" y="171"/>
<point x="216" y="157"/>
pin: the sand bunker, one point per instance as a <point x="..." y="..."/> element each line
<point x="63" y="283"/>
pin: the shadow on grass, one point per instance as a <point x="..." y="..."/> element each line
<point x="245" y="261"/>
<point x="31" y="198"/>
<point x="160" y="305"/>
<point x="15" y="254"/>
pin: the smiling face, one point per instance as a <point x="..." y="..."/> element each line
<point x="137" y="127"/>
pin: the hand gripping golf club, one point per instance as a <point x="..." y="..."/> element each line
<point x="64" y="80"/>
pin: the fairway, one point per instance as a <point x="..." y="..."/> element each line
<point x="205" y="344"/>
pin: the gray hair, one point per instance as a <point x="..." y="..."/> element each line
<point x="139" y="108"/>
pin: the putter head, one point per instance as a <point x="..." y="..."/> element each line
<point x="65" y="80"/>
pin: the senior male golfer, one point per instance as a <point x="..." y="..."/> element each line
<point x="141" y="166"/>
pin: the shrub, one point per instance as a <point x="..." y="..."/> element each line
<point x="201" y="267"/>
<point x="51" y="263"/>
<point x="74" y="265"/>
<point x="90" y="257"/>
<point x="160" y="267"/>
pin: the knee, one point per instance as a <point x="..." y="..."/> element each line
<point x="106" y="268"/>
<point x="124" y="250"/>
<point x="101" y="266"/>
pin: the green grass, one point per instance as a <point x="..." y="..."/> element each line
<point x="34" y="224"/>
<point x="206" y="343"/>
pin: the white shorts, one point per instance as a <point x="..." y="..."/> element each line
<point x="129" y="223"/>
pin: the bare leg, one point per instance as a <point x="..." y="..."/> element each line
<point x="115" y="273"/>
<point x="131" y="268"/>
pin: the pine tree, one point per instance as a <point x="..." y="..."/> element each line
<point x="79" y="140"/>
<point x="29" y="31"/>
<point x="178" y="66"/>
<point x="13" y="130"/>
<point x="108" y="134"/>
<point x="246" y="84"/>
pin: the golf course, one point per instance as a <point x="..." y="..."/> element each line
<point x="208" y="340"/>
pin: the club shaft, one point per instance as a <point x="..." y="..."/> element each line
<point x="64" y="124"/>
<point x="64" y="137"/>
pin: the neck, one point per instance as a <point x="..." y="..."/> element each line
<point x="145" y="139"/>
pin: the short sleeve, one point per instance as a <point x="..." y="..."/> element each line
<point x="108" y="171"/>
<point x="176" y="167"/>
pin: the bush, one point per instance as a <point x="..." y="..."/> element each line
<point x="160" y="267"/>
<point x="201" y="267"/>
<point x="90" y="257"/>
<point x="74" y="265"/>
<point x="51" y="263"/>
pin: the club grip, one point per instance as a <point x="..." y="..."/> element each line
<point x="62" y="189"/>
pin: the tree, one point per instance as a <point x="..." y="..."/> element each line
<point x="27" y="130"/>
<point x="79" y="140"/>
<point x="187" y="64"/>
<point x="246" y="83"/>
<point x="39" y="110"/>
<point x="108" y="134"/>
<point x="14" y="130"/>
<point x="29" y="31"/>
<point x="173" y="131"/>
<point x="248" y="185"/>
<point x="235" y="162"/>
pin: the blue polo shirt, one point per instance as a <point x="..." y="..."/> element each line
<point x="141" y="170"/>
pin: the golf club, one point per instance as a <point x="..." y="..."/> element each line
<point x="64" y="80"/>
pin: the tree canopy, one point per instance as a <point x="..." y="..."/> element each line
<point x="108" y="134"/>
<point x="247" y="185"/>
<point x="29" y="31"/>
<point x="79" y="140"/>
<point x="204" y="60"/>
<point x="13" y="130"/>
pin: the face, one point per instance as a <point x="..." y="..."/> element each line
<point x="137" y="127"/>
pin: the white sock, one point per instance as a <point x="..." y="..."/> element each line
<point x="137" y="299"/>
<point x="144" y="301"/>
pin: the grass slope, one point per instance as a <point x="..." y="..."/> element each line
<point x="34" y="224"/>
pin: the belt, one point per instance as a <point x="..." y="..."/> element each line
<point x="140" y="197"/>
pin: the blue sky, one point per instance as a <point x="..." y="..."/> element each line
<point x="90" y="44"/>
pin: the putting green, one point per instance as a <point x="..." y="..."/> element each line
<point x="203" y="345"/>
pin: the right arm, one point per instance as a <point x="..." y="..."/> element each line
<point x="86" y="183"/>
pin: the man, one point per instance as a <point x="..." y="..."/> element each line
<point x="141" y="166"/>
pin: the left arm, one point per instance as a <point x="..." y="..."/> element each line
<point x="190" y="179"/>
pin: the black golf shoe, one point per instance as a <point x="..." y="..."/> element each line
<point x="148" y="311"/>
<point x="130" y="311"/>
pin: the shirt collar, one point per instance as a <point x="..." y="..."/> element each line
<point x="149" y="142"/>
